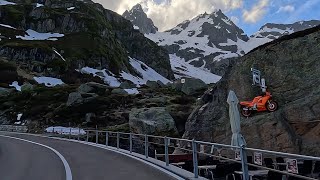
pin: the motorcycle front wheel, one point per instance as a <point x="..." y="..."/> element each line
<point x="272" y="105"/>
<point x="245" y="112"/>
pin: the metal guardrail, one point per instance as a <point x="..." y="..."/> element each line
<point x="191" y="146"/>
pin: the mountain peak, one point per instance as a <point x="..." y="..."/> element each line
<point x="137" y="7"/>
<point x="140" y="20"/>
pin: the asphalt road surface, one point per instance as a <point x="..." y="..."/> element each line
<point x="26" y="157"/>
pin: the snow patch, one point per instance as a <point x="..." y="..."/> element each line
<point x="183" y="69"/>
<point x="65" y="130"/>
<point x="108" y="79"/>
<point x="19" y="116"/>
<point x="48" y="81"/>
<point x="3" y="2"/>
<point x="147" y="73"/>
<point x="33" y="35"/>
<point x="70" y="8"/>
<point x="39" y="5"/>
<point x="16" y="85"/>
<point x="59" y="54"/>
<point x="7" y="26"/>
<point x="132" y="91"/>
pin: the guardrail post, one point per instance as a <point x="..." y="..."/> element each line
<point x="244" y="163"/>
<point x="107" y="138"/>
<point x="97" y="137"/>
<point x="118" y="140"/>
<point x="87" y="136"/>
<point x="130" y="140"/>
<point x="79" y="134"/>
<point x="195" y="158"/>
<point x="146" y="149"/>
<point x="166" y="150"/>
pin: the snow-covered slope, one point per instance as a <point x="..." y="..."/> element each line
<point x="144" y="74"/>
<point x="204" y="39"/>
<point x="270" y="32"/>
<point x="183" y="69"/>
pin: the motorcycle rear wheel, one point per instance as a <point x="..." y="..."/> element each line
<point x="272" y="105"/>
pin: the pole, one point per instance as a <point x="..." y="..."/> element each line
<point x="118" y="140"/>
<point x="195" y="159"/>
<point x="79" y="134"/>
<point x="130" y="139"/>
<point x="97" y="137"/>
<point x="244" y="163"/>
<point x="166" y="150"/>
<point x="146" y="149"/>
<point x="70" y="133"/>
<point x="87" y="136"/>
<point x="107" y="138"/>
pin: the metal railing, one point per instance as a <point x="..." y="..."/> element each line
<point x="198" y="149"/>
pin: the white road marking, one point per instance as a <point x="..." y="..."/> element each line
<point x="158" y="167"/>
<point x="64" y="161"/>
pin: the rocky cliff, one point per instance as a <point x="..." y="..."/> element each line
<point x="291" y="68"/>
<point x="55" y="37"/>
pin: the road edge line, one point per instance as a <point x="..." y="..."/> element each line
<point x="64" y="161"/>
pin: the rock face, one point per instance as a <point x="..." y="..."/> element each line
<point x="140" y="20"/>
<point x="87" y="35"/>
<point x="291" y="68"/>
<point x="152" y="121"/>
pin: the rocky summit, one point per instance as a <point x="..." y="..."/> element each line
<point x="290" y="66"/>
<point x="140" y="20"/>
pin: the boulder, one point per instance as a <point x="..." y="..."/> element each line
<point x="89" y="117"/>
<point x="152" y="121"/>
<point x="84" y="88"/>
<point x="127" y="85"/>
<point x="192" y="86"/>
<point x="152" y="84"/>
<point x="4" y="91"/>
<point x="119" y="91"/>
<point x="176" y="85"/>
<point x="161" y="84"/>
<point x="74" y="98"/>
<point x="27" y="87"/>
<point x="97" y="85"/>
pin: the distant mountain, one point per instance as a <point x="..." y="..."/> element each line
<point x="140" y="20"/>
<point x="204" y="40"/>
<point x="270" y="32"/>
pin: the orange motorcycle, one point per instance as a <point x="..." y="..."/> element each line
<point x="259" y="104"/>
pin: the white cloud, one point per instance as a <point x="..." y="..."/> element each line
<point x="302" y="10"/>
<point x="169" y="13"/>
<point x="287" y="8"/>
<point x="256" y="12"/>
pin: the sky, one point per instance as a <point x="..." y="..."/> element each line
<point x="249" y="15"/>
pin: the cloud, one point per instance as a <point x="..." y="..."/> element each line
<point x="302" y="10"/>
<point x="167" y="14"/>
<point x="287" y="8"/>
<point x="256" y="12"/>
